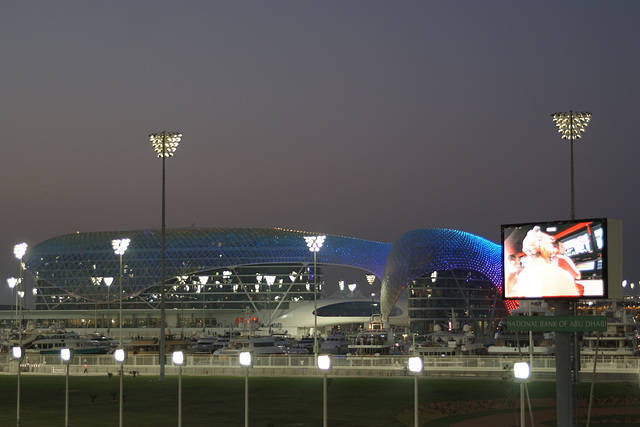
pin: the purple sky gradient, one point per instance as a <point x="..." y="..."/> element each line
<point x="360" y="118"/>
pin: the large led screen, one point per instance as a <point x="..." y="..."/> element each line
<point x="559" y="259"/>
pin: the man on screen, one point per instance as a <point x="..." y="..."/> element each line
<point x="540" y="277"/>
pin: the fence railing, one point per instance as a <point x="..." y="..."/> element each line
<point x="609" y="368"/>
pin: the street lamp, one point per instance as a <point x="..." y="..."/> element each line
<point x="19" y="250"/>
<point x="324" y="364"/>
<point x="521" y="371"/>
<point x="16" y="353"/>
<point x="571" y="125"/>
<point x="119" y="355"/>
<point x="415" y="366"/>
<point x="120" y="247"/>
<point x="164" y="144"/>
<point x="178" y="360"/>
<point x="245" y="360"/>
<point x="65" y="355"/>
<point x="315" y="243"/>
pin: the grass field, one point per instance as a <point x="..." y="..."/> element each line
<point x="273" y="401"/>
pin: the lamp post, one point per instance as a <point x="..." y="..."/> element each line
<point x="119" y="355"/>
<point x="315" y="243"/>
<point x="415" y="366"/>
<point x="521" y="371"/>
<point x="65" y="355"/>
<point x="16" y="353"/>
<point x="571" y="125"/>
<point x="19" y="250"/>
<point x="245" y="360"/>
<point x="324" y="364"/>
<point x="178" y="360"/>
<point x="13" y="282"/>
<point x="108" y="281"/>
<point x="203" y="283"/>
<point x="164" y="144"/>
<point x="120" y="247"/>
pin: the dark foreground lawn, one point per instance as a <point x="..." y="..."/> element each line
<point x="219" y="401"/>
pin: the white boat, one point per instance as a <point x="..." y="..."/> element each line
<point x="445" y="342"/>
<point x="518" y="343"/>
<point x="336" y="343"/>
<point x="52" y="342"/>
<point x="620" y="339"/>
<point x="376" y="339"/>
<point x="259" y="346"/>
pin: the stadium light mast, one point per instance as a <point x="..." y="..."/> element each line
<point x="571" y="125"/>
<point x="19" y="250"/>
<point x="315" y="243"/>
<point x="164" y="144"/>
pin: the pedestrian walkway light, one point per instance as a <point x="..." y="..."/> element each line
<point x="65" y="355"/>
<point x="119" y="355"/>
<point x="324" y="364"/>
<point x="16" y="353"/>
<point x="178" y="360"/>
<point x="245" y="360"/>
<point x="521" y="371"/>
<point x="415" y="366"/>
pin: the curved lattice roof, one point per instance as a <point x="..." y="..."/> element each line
<point x="420" y="252"/>
<point x="73" y="262"/>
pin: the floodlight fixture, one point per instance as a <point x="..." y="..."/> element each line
<point x="19" y="250"/>
<point x="324" y="362"/>
<point x="12" y="282"/>
<point x="415" y="364"/>
<point x="165" y="143"/>
<point x="178" y="358"/>
<point x="314" y="242"/>
<point x="120" y="246"/>
<point x="65" y="354"/>
<point x="119" y="355"/>
<point x="572" y="124"/>
<point x="371" y="278"/>
<point x="521" y="370"/>
<point x="16" y="352"/>
<point x="244" y="358"/>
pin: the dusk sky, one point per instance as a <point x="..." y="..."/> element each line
<point x="359" y="118"/>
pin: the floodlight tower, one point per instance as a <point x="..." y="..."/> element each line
<point x="315" y="243"/>
<point x="570" y="126"/>
<point x="164" y="144"/>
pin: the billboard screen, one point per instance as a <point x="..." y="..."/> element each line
<point x="558" y="259"/>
